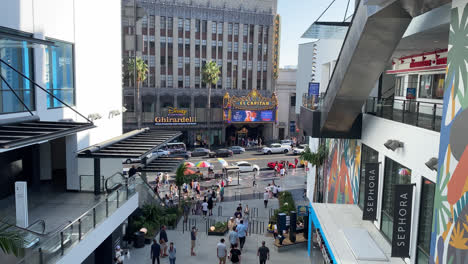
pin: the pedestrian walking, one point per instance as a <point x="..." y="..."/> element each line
<point x="221" y="193"/>
<point x="118" y="255"/>
<point x="233" y="237"/>
<point x="282" y="171"/>
<point x="163" y="240"/>
<point x="193" y="240"/>
<point x="204" y="207"/>
<point x="295" y="162"/>
<point x="132" y="171"/>
<point x="266" y="195"/>
<point x="242" y="233"/>
<point x="155" y="251"/>
<point x="221" y="251"/>
<point x="263" y="253"/>
<point x="210" y="206"/>
<point x="186" y="211"/>
<point x="235" y="255"/>
<point x="172" y="253"/>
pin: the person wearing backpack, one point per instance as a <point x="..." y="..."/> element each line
<point x="235" y="255"/>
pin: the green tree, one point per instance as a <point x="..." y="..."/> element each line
<point x="316" y="159"/>
<point x="210" y="76"/>
<point x="10" y="241"/>
<point x="180" y="178"/>
<point x="139" y="68"/>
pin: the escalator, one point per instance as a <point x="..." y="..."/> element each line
<point x="376" y="29"/>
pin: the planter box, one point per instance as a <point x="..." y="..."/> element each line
<point x="215" y="233"/>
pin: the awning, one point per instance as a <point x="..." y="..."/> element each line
<point x="163" y="165"/>
<point x="326" y="30"/>
<point x="135" y="144"/>
<point x="30" y="130"/>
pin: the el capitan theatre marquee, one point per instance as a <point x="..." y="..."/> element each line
<point x="252" y="108"/>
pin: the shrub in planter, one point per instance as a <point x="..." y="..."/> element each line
<point x="219" y="229"/>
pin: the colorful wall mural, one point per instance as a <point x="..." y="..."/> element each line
<point x="449" y="241"/>
<point x="342" y="170"/>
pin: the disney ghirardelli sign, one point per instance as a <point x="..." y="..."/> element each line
<point x="175" y="117"/>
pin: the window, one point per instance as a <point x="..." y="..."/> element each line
<point x="245" y="29"/>
<point x="180" y="61"/>
<point x="244" y="65"/>
<point x="187" y="60"/>
<point x="431" y="86"/>
<point x="170" y="23"/>
<point x="220" y="43"/>
<point x="213" y="43"/>
<point x="169" y="39"/>
<point x="163" y="81"/>
<point x="425" y="221"/>
<point x="162" y="40"/>
<point x="197" y="25"/>
<point x="391" y="177"/>
<point x="265" y="48"/>
<point x="21" y="58"/>
<point x="169" y="81"/>
<point x="213" y="27"/>
<point x="399" y="86"/>
<point x="259" y="66"/>
<point x="151" y="22"/>
<point x="204" y="42"/>
<point x="230" y="29"/>
<point x="197" y="62"/>
<point x="220" y="62"/>
<point x="228" y="82"/>
<point x="187" y="24"/>
<point x="236" y="46"/>
<point x="60" y="74"/>
<point x="368" y="155"/>
<point x="180" y="82"/>
<point x="187" y="41"/>
<point x="236" y="29"/>
<point x="220" y="28"/>
<point x="205" y="26"/>
<point x="187" y="81"/>
<point x="152" y="61"/>
<point x="180" y="23"/>
<point x="197" y="81"/>
<point x="249" y="65"/>
<point x="180" y="40"/>
<point x="244" y="47"/>
<point x="162" y="21"/>
<point x="293" y="100"/>
<point x="264" y="67"/>
<point x="229" y="46"/>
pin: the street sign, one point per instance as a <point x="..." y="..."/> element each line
<point x="302" y="210"/>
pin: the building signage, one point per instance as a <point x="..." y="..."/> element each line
<point x="250" y="108"/>
<point x="410" y="93"/>
<point x="371" y="188"/>
<point x="314" y="89"/>
<point x="302" y="210"/>
<point x="402" y="208"/>
<point x="175" y="117"/>
<point x="276" y="41"/>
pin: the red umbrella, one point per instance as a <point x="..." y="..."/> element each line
<point x="189" y="172"/>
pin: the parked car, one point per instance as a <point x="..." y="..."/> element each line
<point x="245" y="166"/>
<point x="299" y="149"/>
<point x="221" y="153"/>
<point x="200" y="152"/>
<point x="160" y="153"/>
<point x="276" y="148"/>
<point x="271" y="165"/>
<point x="237" y="149"/>
<point x="180" y="154"/>
<point x="131" y="160"/>
<point x="288" y="142"/>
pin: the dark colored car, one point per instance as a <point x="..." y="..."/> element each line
<point x="237" y="149"/>
<point x="199" y="152"/>
<point x="221" y="153"/>
<point x="180" y="154"/>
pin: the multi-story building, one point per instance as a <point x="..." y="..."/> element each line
<point x="392" y="120"/>
<point x="286" y="93"/>
<point x="177" y="39"/>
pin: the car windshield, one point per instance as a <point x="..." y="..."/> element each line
<point x="198" y="149"/>
<point x="275" y="145"/>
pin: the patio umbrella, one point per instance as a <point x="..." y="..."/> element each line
<point x="404" y="172"/>
<point x="189" y="164"/>
<point x="203" y="164"/>
<point x="223" y="162"/>
<point x="189" y="172"/>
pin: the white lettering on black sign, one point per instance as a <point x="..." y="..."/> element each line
<point x="402" y="220"/>
<point x="371" y="181"/>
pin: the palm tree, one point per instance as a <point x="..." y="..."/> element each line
<point x="10" y="241"/>
<point x="180" y="178"/>
<point x="316" y="159"/>
<point x="140" y="68"/>
<point x="210" y="76"/>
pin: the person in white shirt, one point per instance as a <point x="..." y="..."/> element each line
<point x="279" y="189"/>
<point x="204" y="207"/>
<point x="275" y="191"/>
<point x="282" y="171"/>
<point x="266" y="195"/>
<point x="221" y="251"/>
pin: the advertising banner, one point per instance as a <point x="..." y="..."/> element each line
<point x="314" y="88"/>
<point x="402" y="207"/>
<point x="410" y="93"/>
<point x="252" y="116"/>
<point x="175" y="117"/>
<point x="371" y="181"/>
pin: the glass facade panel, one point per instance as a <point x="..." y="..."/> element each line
<point x="391" y="177"/>
<point x="425" y="221"/>
<point x="431" y="86"/>
<point x="60" y="74"/>
<point x="368" y="155"/>
<point x="19" y="56"/>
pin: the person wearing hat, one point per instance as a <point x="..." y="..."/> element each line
<point x="118" y="255"/>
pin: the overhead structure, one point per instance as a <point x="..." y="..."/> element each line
<point x="163" y="165"/>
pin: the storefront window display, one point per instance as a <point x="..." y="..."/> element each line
<point x="431" y="86"/>
<point x="368" y="155"/>
<point x="425" y="221"/>
<point x="394" y="173"/>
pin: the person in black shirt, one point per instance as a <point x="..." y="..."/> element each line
<point x="238" y="214"/>
<point x="210" y="205"/>
<point x="263" y="253"/>
<point x="235" y="254"/>
<point x="155" y="251"/>
<point x="163" y="240"/>
<point x="132" y="171"/>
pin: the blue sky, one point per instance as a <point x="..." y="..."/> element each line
<point x="297" y="16"/>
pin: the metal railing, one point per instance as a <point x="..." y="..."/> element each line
<point x="55" y="245"/>
<point x="312" y="102"/>
<point x="427" y="115"/>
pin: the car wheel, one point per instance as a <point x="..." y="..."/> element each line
<point x="128" y="161"/>
<point x="255" y="170"/>
<point x="285" y="151"/>
<point x="269" y="152"/>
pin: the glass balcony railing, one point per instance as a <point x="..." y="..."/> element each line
<point x="427" y="115"/>
<point x="50" y="248"/>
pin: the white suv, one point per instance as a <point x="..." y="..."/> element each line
<point x="276" y="148"/>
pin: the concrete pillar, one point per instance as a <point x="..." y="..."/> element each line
<point x="45" y="161"/>
<point x="175" y="100"/>
<point x="192" y="105"/>
<point x="158" y="104"/>
<point x="73" y="179"/>
<point x="453" y="149"/>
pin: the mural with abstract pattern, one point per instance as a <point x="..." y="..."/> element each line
<point x="449" y="241"/>
<point x="342" y="169"/>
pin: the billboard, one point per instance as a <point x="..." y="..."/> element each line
<point x="314" y="88"/>
<point x="246" y="116"/>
